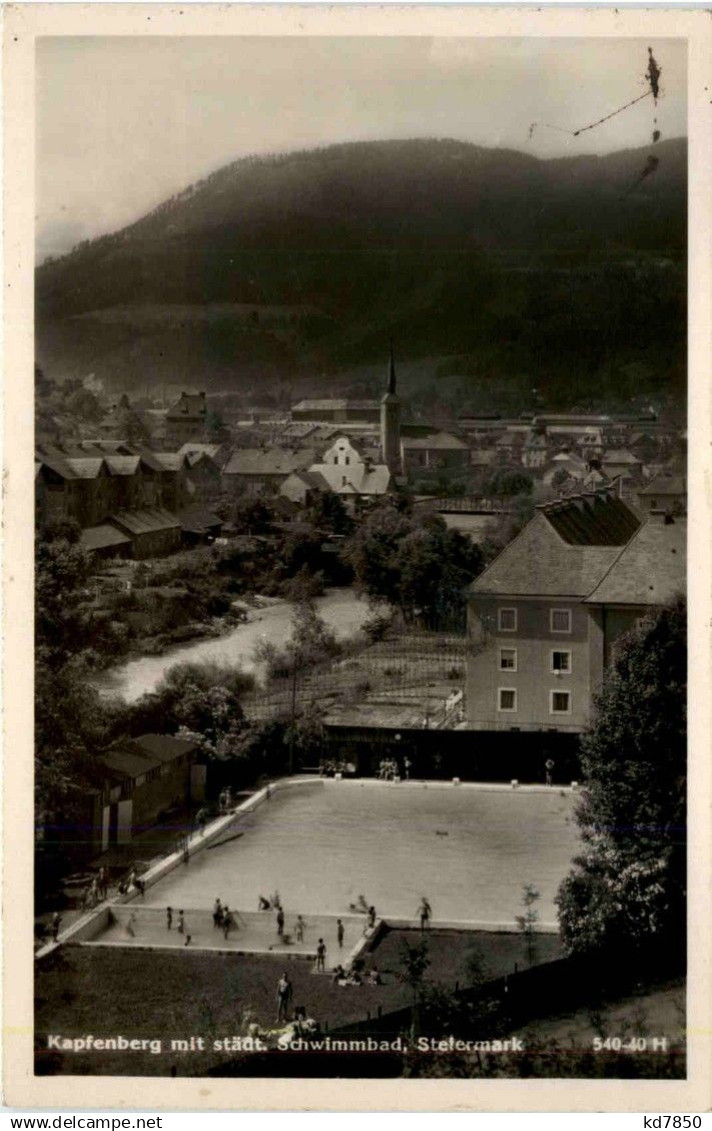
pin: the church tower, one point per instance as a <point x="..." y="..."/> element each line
<point x="391" y="423"/>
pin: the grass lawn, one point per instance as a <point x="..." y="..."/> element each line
<point x="177" y="994"/>
<point x="658" y="1012"/>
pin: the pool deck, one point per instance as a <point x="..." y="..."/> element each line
<point x="256" y="933"/>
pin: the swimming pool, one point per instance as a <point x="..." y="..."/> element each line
<point x="321" y="844"/>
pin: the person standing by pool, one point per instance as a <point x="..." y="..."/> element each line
<point x="280" y="923"/>
<point x="217" y="913"/>
<point x="284" y="996"/>
<point x="169" y="918"/>
<point x="340" y="933"/>
<point x="425" y="911"/>
<point x="131" y="924"/>
<point x="299" y="929"/>
<point x="228" y="922"/>
<point x="321" y="957"/>
<point x="549" y="771"/>
<point x="181" y="923"/>
<point x="371" y="919"/>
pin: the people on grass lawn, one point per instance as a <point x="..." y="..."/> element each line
<point x="284" y="997"/>
<point x="354" y="977"/>
<point x="321" y="957"/>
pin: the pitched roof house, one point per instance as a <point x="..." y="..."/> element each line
<point x="186" y="419"/>
<point x="254" y="470"/>
<point x="545" y="614"/>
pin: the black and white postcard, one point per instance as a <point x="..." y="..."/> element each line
<point x="351" y="755"/>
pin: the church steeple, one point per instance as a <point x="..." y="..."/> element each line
<point x="392" y="373"/>
<point x="391" y="421"/>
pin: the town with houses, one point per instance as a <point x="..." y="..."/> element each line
<point x="603" y="544"/>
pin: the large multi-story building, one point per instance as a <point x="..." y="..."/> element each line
<point x="187" y="419"/>
<point x="544" y="616"/>
<point x="337" y="410"/>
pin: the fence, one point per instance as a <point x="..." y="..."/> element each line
<point x="517" y="999"/>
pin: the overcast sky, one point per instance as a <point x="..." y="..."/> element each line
<point x="123" y="123"/>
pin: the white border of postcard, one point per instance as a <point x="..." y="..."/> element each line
<point x="22" y="24"/>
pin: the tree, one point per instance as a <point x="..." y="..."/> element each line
<point x="216" y="429"/>
<point x="62" y="571"/>
<point x="83" y="404"/>
<point x="312" y="640"/>
<point x="199" y="700"/>
<point x="414" y="963"/>
<point x="372" y="552"/>
<point x="528" y="921"/>
<point x="508" y="483"/>
<point x="72" y="724"/>
<point x="561" y="477"/>
<point x="626" y="891"/>
<point x="328" y="512"/>
<point x="415" y="563"/>
<point x="252" y="516"/>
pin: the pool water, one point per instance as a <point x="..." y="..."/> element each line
<point x="469" y="850"/>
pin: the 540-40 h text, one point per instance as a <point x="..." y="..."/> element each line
<point x="629" y="1044"/>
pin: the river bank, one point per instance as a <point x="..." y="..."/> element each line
<point x="271" y="622"/>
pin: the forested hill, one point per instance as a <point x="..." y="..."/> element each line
<point x="362" y="240"/>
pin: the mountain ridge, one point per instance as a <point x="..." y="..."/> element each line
<point x="439" y="242"/>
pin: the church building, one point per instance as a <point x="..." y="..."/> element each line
<point x="391" y="424"/>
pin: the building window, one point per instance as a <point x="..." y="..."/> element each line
<point x="506" y="699"/>
<point x="507" y="620"/>
<point x="560" y="702"/>
<point x="561" y="661"/>
<point x="560" y="620"/>
<point x="508" y="659"/>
